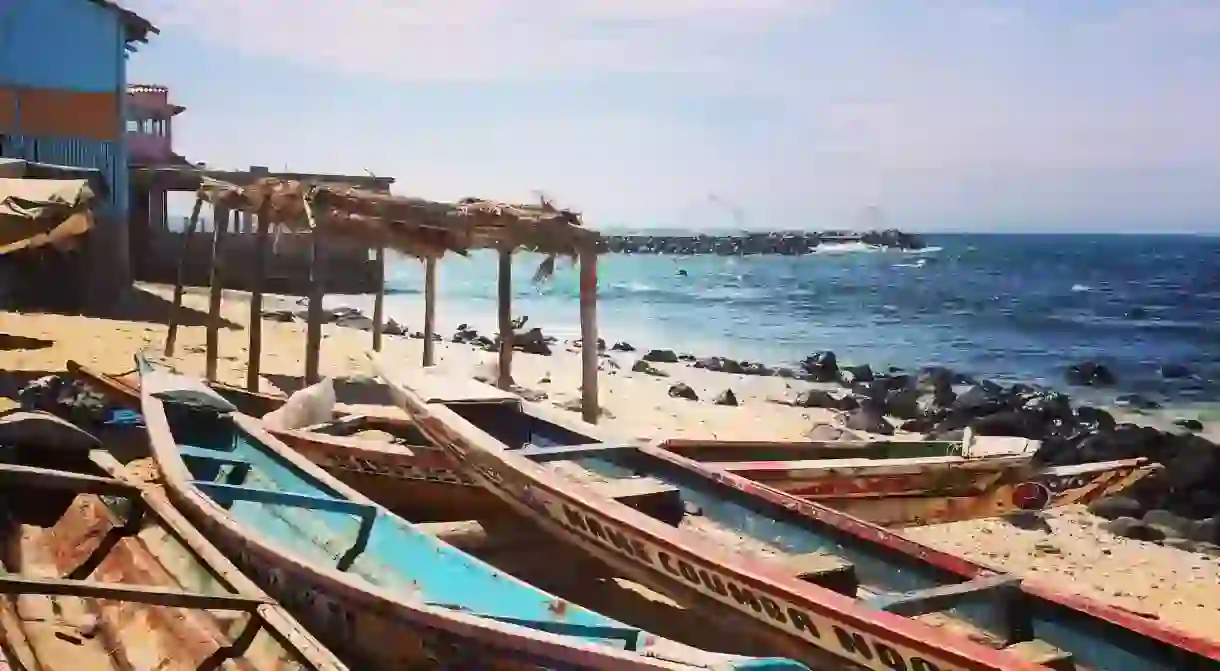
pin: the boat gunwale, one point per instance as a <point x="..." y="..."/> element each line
<point x="437" y="421"/>
<point x="272" y="618"/>
<point x="379" y="600"/>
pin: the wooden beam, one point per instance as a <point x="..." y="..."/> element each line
<point x="147" y="594"/>
<point x="829" y="571"/>
<point x="220" y="225"/>
<point x="14" y="475"/>
<point x="944" y="597"/>
<point x="254" y="362"/>
<point x="429" y="311"/>
<point x="379" y="299"/>
<point x="569" y="452"/>
<point x="172" y="336"/>
<point x="589" y="408"/>
<point x="505" y="312"/>
<point x="317" y="290"/>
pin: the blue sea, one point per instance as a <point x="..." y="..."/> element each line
<point x="1006" y="307"/>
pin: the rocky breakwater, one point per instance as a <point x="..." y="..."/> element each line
<point x="788" y="243"/>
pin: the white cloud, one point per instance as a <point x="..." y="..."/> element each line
<point x="938" y="110"/>
<point x="472" y="40"/>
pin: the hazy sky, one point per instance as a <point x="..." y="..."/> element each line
<point x="948" y="114"/>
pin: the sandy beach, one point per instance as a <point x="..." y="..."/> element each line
<point x="1177" y="587"/>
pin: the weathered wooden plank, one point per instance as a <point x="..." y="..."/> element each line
<point x="179" y="285"/>
<point x="590" y="410"/>
<point x="317" y="291"/>
<point x="655" y="499"/>
<point x="13" y="475"/>
<point x="944" y="597"/>
<point x="505" y="313"/>
<point x="429" y="311"/>
<point x="220" y="225"/>
<point x="1043" y="653"/>
<point x="829" y="571"/>
<point x="379" y="300"/>
<point x="256" y="299"/>
<point x="148" y="594"/>
<point x="558" y="452"/>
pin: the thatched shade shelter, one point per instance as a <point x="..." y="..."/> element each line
<point x="421" y="228"/>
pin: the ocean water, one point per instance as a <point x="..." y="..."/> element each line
<point x="1006" y="307"/>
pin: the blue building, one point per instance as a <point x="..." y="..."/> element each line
<point x="63" y="83"/>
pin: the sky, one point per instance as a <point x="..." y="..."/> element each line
<point x="1046" y="115"/>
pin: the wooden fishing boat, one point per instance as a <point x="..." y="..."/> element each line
<point x="407" y="474"/>
<point x="900" y="484"/>
<point x="897" y="484"/>
<point x="100" y="572"/>
<point x="812" y="581"/>
<point x="356" y="574"/>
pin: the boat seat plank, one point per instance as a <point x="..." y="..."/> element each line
<point x="1043" y="653"/>
<point x="146" y="594"/>
<point x="944" y="597"/>
<point x="14" y="475"/>
<point x="658" y="500"/>
<point x="240" y="465"/>
<point x="228" y="494"/>
<point x="224" y="493"/>
<point x="565" y="452"/>
<point x="192" y="452"/>
<point x="829" y="571"/>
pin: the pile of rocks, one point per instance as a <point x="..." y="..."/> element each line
<point x="788" y="243"/>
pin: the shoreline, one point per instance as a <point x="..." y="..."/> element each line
<point x="409" y="313"/>
<point x="1178" y="587"/>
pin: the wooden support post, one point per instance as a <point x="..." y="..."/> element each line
<point x="220" y="225"/>
<point x="172" y="336"/>
<point x="317" y="269"/>
<point x="506" y="319"/>
<point x="379" y="299"/>
<point x="588" y="336"/>
<point x="429" y="311"/>
<point x="256" y="298"/>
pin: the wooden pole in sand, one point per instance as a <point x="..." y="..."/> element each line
<point x="429" y="311"/>
<point x="379" y="299"/>
<point x="313" y="330"/>
<point x="588" y="336"/>
<point x="172" y="323"/>
<point x="506" y="318"/>
<point x="256" y="296"/>
<point x="220" y="226"/>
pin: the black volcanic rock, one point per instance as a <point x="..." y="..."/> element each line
<point x="1090" y="374"/>
<point x="788" y="243"/>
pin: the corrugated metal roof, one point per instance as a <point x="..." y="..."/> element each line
<point x="138" y="27"/>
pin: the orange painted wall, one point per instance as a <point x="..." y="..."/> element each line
<point x="57" y="113"/>
<point x="8" y="110"/>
